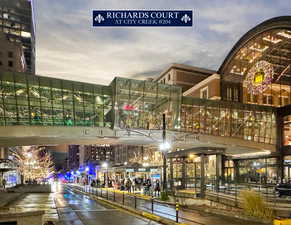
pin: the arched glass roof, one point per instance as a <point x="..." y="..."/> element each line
<point x="262" y="55"/>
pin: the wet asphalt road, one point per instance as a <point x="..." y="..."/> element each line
<point x="76" y="209"/>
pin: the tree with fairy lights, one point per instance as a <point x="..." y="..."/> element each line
<point x="34" y="164"/>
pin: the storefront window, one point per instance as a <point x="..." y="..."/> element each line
<point x="287" y="130"/>
<point x="258" y="170"/>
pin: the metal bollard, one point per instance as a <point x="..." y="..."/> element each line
<point x="114" y="196"/>
<point x="101" y="193"/>
<point x="177" y="212"/>
<point x="135" y="201"/>
<point x="123" y="198"/>
<point x="152" y="204"/>
<point x="107" y="196"/>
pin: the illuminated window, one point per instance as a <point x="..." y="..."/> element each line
<point x="284" y="100"/>
<point x="229" y="93"/>
<point x="5" y="15"/>
<point x="25" y="34"/>
<point x="268" y="99"/>
<point x="204" y="93"/>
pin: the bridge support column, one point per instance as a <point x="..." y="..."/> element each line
<point x="202" y="181"/>
<point x="171" y="175"/>
<point x="218" y="171"/>
<point x="184" y="173"/>
<point x="236" y="171"/>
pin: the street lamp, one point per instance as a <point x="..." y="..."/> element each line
<point x="105" y="166"/>
<point x="164" y="147"/>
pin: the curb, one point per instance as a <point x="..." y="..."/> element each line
<point x="144" y="214"/>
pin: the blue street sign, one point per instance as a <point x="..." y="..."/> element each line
<point x="143" y="18"/>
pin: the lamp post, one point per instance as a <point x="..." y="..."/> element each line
<point x="87" y="176"/>
<point x="105" y="166"/>
<point x="164" y="147"/>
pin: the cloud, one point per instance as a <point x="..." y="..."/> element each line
<point x="69" y="47"/>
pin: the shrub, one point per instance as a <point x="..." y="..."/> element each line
<point x="255" y="205"/>
<point x="164" y="196"/>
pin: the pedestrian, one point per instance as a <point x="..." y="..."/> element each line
<point x="157" y="188"/>
<point x="128" y="185"/>
<point x="4" y="183"/>
<point x="148" y="186"/>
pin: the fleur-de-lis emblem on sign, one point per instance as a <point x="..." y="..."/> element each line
<point x="99" y="18"/>
<point x="186" y="18"/>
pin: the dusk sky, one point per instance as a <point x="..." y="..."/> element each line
<point x="68" y="47"/>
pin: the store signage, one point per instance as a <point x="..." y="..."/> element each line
<point x="6" y="165"/>
<point x="148" y="18"/>
<point x="130" y="170"/>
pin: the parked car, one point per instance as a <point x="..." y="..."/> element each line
<point x="283" y="189"/>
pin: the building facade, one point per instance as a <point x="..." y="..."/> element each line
<point x="255" y="72"/>
<point x="17" y="23"/>
<point x="11" y="55"/>
<point x="182" y="75"/>
<point x="73" y="157"/>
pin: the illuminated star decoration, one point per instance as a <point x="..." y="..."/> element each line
<point x="259" y="77"/>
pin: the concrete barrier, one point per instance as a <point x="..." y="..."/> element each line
<point x="32" y="188"/>
<point x="23" y="218"/>
<point x="7" y="198"/>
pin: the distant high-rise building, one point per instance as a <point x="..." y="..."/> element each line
<point x="17" y="23"/>
<point x="73" y="157"/>
<point x="11" y="55"/>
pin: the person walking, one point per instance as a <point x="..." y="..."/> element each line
<point x="157" y="188"/>
<point x="148" y="187"/>
<point x="128" y="185"/>
<point x="4" y="183"/>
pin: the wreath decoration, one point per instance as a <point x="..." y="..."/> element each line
<point x="259" y="77"/>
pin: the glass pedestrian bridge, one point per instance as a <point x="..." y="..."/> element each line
<point x="28" y="100"/>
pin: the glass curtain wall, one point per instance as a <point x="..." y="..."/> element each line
<point x="218" y="118"/>
<point x="258" y="170"/>
<point x="42" y="101"/>
<point x="140" y="104"/>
